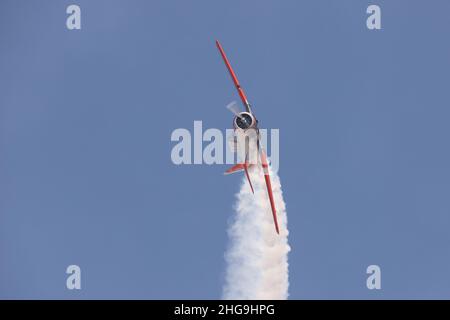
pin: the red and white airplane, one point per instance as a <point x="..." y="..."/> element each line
<point x="243" y="121"/>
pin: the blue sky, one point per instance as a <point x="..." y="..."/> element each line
<point x="86" y="117"/>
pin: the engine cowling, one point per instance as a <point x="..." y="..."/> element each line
<point x="244" y="121"/>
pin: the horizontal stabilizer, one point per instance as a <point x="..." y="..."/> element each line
<point x="241" y="167"/>
<point x="237" y="168"/>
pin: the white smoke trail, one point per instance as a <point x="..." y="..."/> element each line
<point x="257" y="257"/>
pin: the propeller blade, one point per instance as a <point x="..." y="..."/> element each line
<point x="234" y="108"/>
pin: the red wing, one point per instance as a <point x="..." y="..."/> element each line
<point x="265" y="166"/>
<point x="235" y="79"/>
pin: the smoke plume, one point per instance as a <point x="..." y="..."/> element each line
<point x="257" y="257"/>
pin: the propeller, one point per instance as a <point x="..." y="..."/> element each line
<point x="234" y="108"/>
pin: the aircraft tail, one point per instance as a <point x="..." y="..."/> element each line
<point x="242" y="167"/>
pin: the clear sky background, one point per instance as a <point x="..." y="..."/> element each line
<point x="86" y="116"/>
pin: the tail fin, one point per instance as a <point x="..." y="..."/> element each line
<point x="248" y="176"/>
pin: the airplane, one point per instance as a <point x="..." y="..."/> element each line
<point x="243" y="121"/>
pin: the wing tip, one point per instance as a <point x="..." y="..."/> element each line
<point x="275" y="220"/>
